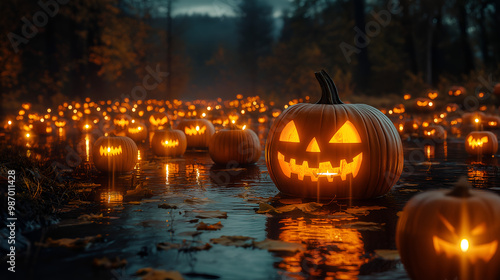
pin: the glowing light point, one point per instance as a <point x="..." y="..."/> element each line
<point x="464" y="245"/>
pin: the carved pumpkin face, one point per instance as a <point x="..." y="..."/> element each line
<point x="456" y="91"/>
<point x="481" y="143"/>
<point x="122" y="121"/>
<point x="198" y="132"/>
<point x="435" y="132"/>
<point x="137" y="132"/>
<point x="328" y="149"/>
<point x="158" y="119"/>
<point x="453" y="234"/>
<point x="432" y="95"/>
<point x="328" y="168"/>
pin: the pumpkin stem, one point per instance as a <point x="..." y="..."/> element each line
<point x="329" y="92"/>
<point x="461" y="188"/>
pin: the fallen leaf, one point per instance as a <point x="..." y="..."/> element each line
<point x="191" y="248"/>
<point x="363" y="210"/>
<point x="216" y="214"/>
<point x="167" y="206"/>
<point x="370" y="226"/>
<point x="165" y="246"/>
<point x="197" y="201"/>
<point x="279" y="246"/>
<point x="266" y="208"/>
<point x="149" y="273"/>
<point x="88" y="217"/>
<point x="391" y="255"/>
<point x="304" y="207"/>
<point x="109" y="264"/>
<point x="341" y="216"/>
<point x="138" y="193"/>
<point x="72" y="243"/>
<point x="236" y="240"/>
<point x="203" y="226"/>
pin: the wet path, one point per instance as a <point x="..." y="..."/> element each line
<point x="340" y="240"/>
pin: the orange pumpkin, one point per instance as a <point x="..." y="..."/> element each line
<point x="331" y="149"/>
<point x="434" y="132"/>
<point x="159" y="120"/>
<point x="114" y="154"/>
<point x="137" y="131"/>
<point x="481" y="143"/>
<point x="170" y="143"/>
<point x="235" y="146"/>
<point x="453" y="234"/>
<point x="198" y="132"/>
<point x="121" y="121"/>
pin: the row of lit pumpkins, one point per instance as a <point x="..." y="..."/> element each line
<point x="119" y="154"/>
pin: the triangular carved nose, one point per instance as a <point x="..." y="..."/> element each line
<point x="313" y="146"/>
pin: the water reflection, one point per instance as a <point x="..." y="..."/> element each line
<point x="332" y="251"/>
<point x="111" y="197"/>
<point x="235" y="176"/>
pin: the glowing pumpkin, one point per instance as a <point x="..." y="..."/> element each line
<point x="159" y="120"/>
<point x="455" y="234"/>
<point x="424" y="104"/>
<point x="121" y="121"/>
<point x="456" y="91"/>
<point x="235" y="146"/>
<point x="434" y="132"/>
<point x="137" y="131"/>
<point x="491" y="122"/>
<point x="170" y="143"/>
<point x="481" y="143"/>
<point x="496" y="89"/>
<point x="198" y="132"/>
<point x="114" y="154"/>
<point x="331" y="149"/>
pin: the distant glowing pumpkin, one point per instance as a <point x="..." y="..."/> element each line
<point x="198" y="132"/>
<point x="331" y="149"/>
<point x="235" y="146"/>
<point x="137" y="132"/>
<point x="169" y="143"/>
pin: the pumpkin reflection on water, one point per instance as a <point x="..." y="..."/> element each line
<point x="321" y="235"/>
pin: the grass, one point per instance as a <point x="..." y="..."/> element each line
<point x="40" y="189"/>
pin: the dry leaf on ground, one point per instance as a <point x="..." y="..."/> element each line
<point x="216" y="214"/>
<point x="72" y="243"/>
<point x="149" y="273"/>
<point x="279" y="246"/>
<point x="104" y="262"/>
<point x="363" y="210"/>
<point x="203" y="226"/>
<point x="165" y="246"/>
<point x="236" y="240"/>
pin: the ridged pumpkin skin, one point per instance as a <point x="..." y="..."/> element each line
<point x="367" y="165"/>
<point x="175" y="147"/>
<point x="232" y="145"/>
<point x="136" y="134"/>
<point x="475" y="143"/>
<point x="433" y="224"/>
<point x="120" y="157"/>
<point x="198" y="139"/>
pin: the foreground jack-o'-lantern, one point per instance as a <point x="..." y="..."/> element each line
<point x="169" y="143"/>
<point x="331" y="149"/>
<point x="235" y="146"/>
<point x="137" y="132"/>
<point x="114" y="154"/>
<point x="453" y="234"/>
<point x="198" y="132"/>
<point x="496" y="89"/>
<point x="481" y="143"/>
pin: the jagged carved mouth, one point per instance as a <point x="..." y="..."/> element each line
<point x="324" y="169"/>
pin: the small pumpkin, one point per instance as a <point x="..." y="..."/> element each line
<point x="114" y="154"/>
<point x="198" y="132"/>
<point x="434" y="132"/>
<point x="455" y="234"/>
<point x="121" y="121"/>
<point x="496" y="89"/>
<point x="169" y="143"/>
<point x="137" y="131"/>
<point x="333" y="150"/>
<point x="481" y="143"/>
<point x="456" y="91"/>
<point x="159" y="120"/>
<point x="235" y="145"/>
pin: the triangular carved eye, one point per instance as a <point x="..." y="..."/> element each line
<point x="346" y="134"/>
<point x="289" y="133"/>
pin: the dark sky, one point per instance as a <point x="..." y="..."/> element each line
<point x="218" y="7"/>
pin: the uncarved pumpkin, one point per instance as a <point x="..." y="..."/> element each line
<point x="333" y="150"/>
<point x="114" y="154"/>
<point x="169" y="143"/>
<point x="235" y="145"/>
<point x="455" y="234"/>
<point x="198" y="132"/>
<point x="481" y="143"/>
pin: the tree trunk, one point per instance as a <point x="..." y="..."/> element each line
<point x="363" y="72"/>
<point x="468" y="59"/>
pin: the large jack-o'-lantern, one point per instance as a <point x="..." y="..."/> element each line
<point x="453" y="234"/>
<point x="114" y="154"/>
<point x="333" y="150"/>
<point x="481" y="143"/>
<point x="198" y="132"/>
